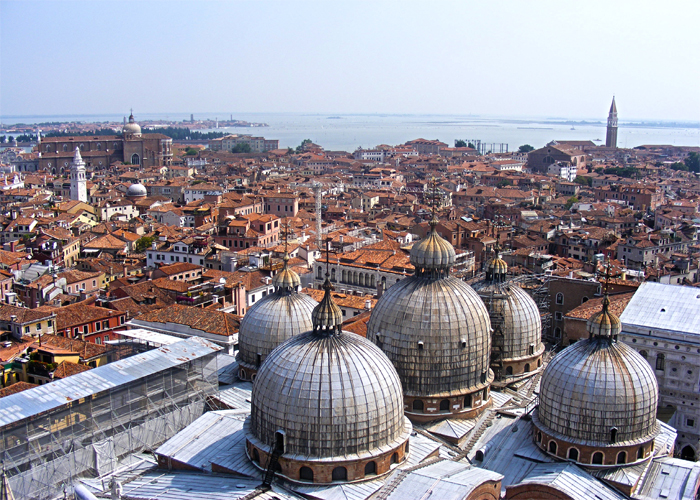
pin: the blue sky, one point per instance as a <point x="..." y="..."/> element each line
<point x="507" y="58"/>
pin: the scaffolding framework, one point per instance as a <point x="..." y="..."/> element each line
<point x="87" y="436"/>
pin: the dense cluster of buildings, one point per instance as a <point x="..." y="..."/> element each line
<point x="382" y="324"/>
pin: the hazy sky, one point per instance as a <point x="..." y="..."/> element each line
<point x="517" y="58"/>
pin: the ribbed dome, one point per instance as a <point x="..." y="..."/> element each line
<point x="271" y="321"/>
<point x="604" y="323"/>
<point x="136" y="190"/>
<point x="333" y="396"/>
<point x="132" y="128"/>
<point x="594" y="386"/>
<point x="516" y="316"/>
<point x="436" y="332"/>
<point x="433" y="253"/>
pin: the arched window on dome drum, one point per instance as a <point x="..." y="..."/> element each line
<point x="395" y="458"/>
<point x="660" y="362"/>
<point x="406" y="448"/>
<point x="306" y="474"/>
<point x="468" y="401"/>
<point x="509" y="370"/>
<point x="370" y="468"/>
<point x="279" y="441"/>
<point x="340" y="474"/>
<point x="135" y="160"/>
<point x="539" y="437"/>
<point x="417" y="405"/>
<point x="527" y="367"/>
<point x="553" y="447"/>
<point x="560" y="298"/>
<point x="573" y="454"/>
<point x="622" y="457"/>
<point x="539" y="363"/>
<point x="445" y="405"/>
<point x="597" y="458"/>
<point x="640" y="452"/>
<point x="613" y="435"/>
<point x="256" y="456"/>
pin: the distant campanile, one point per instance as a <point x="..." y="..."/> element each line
<point x="611" y="136"/>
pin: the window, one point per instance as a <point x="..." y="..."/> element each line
<point x="640" y="452"/>
<point x="558" y="316"/>
<point x="553" y="447"/>
<point x="560" y="298"/>
<point x="49" y="323"/>
<point x="306" y="474"/>
<point x="98" y="340"/>
<point x="417" y="405"/>
<point x="622" y="457"/>
<point x="38" y="327"/>
<point x="643" y="354"/>
<point x="371" y="467"/>
<point x="573" y="454"/>
<point x="445" y="405"/>
<point x="340" y="474"/>
<point x="660" y="362"/>
<point x="26" y="329"/>
<point x="597" y="458"/>
<point x="106" y="338"/>
<point x="690" y="422"/>
<point x="613" y="435"/>
<point x="135" y="160"/>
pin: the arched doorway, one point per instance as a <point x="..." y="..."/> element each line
<point x="688" y="453"/>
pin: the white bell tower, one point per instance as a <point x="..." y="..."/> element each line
<point x="78" y="188"/>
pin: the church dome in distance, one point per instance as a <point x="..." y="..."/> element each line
<point x="328" y="406"/>
<point x="132" y="128"/>
<point x="137" y="190"/>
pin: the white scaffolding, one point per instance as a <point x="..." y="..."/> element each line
<point x="82" y="425"/>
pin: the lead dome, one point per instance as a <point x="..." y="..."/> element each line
<point x="516" y="344"/>
<point x="436" y="331"/>
<point x="327" y="406"/>
<point x="137" y="190"/>
<point x="598" y="397"/>
<point x="272" y="320"/>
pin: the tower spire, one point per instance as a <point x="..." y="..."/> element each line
<point x="611" y="134"/>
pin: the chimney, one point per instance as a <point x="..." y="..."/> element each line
<point x="125" y="271"/>
<point x="368" y="305"/>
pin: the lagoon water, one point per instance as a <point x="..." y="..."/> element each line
<point x="350" y="131"/>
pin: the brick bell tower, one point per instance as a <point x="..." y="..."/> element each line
<point x="611" y="135"/>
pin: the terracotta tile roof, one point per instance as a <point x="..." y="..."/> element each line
<point x="618" y="303"/>
<point x="15" y="388"/>
<point x="216" y="322"/>
<point x="67" y="368"/>
<point x="86" y="350"/>
<point x="24" y="315"/>
<point x="80" y="314"/>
